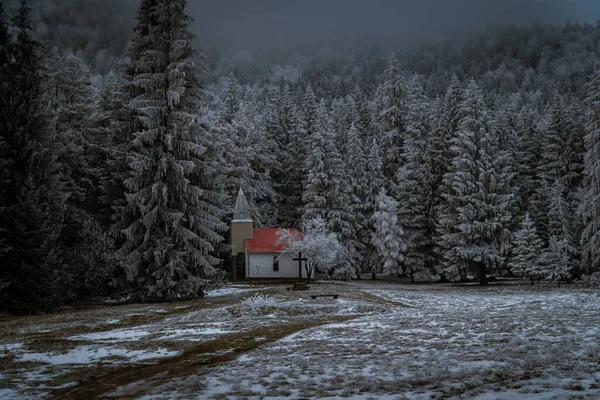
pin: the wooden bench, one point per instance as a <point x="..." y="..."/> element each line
<point x="334" y="295"/>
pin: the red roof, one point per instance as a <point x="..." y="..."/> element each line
<point x="265" y="241"/>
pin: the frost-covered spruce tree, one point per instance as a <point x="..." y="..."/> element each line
<point x="561" y="161"/>
<point x="340" y="217"/>
<point x="356" y="167"/>
<point x="509" y="133"/>
<point x="444" y="131"/>
<point x="286" y="128"/>
<point x="343" y="114"/>
<point x="388" y="236"/>
<point x="556" y="260"/>
<point x="375" y="183"/>
<point x="314" y="196"/>
<point x="32" y="277"/>
<point x="389" y="117"/>
<point x="590" y="205"/>
<point x="561" y="156"/>
<point x="71" y="105"/>
<point x="294" y="172"/>
<point x="414" y="176"/>
<point x="173" y="208"/>
<point x="526" y="252"/>
<point x="474" y="225"/>
<point x="446" y="126"/>
<point x="560" y="219"/>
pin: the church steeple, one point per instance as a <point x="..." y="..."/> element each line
<point x="241" y="210"/>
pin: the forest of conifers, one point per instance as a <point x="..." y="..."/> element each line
<point x="123" y="146"/>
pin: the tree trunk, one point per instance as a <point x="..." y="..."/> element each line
<point x="531" y="281"/>
<point x="373" y="277"/>
<point x="558" y="281"/>
<point x="412" y="277"/>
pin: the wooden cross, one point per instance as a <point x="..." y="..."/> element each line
<point x="300" y="259"/>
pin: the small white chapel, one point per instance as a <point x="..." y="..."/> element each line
<point x="255" y="252"/>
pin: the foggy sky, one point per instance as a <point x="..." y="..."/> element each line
<point x="258" y="25"/>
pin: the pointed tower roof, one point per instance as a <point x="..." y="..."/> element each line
<point x="241" y="210"/>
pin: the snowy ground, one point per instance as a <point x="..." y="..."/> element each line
<point x="496" y="343"/>
<point x="378" y="340"/>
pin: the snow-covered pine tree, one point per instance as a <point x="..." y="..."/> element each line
<point x="389" y="117"/>
<point x="446" y="126"/>
<point x="374" y="184"/>
<point x="535" y="149"/>
<point x="340" y="217"/>
<point x="314" y="196"/>
<point x="173" y="205"/>
<point x="473" y="225"/>
<point x="71" y="105"/>
<point x="294" y="172"/>
<point x="560" y="172"/>
<point x="506" y="125"/>
<point x="526" y="252"/>
<point x="286" y="127"/>
<point x="31" y="257"/>
<point x="414" y="176"/>
<point x="356" y="167"/>
<point x="560" y="219"/>
<point x="590" y="205"/>
<point x="440" y="148"/>
<point x="309" y="107"/>
<point x="556" y="260"/>
<point x="528" y="154"/>
<point x="123" y="121"/>
<point x="363" y="109"/>
<point x="388" y="236"/>
<point x="230" y="104"/>
<point x="560" y="157"/>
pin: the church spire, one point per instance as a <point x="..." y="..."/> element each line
<point x="241" y="211"/>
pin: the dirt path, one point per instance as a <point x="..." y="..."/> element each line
<point x="137" y="380"/>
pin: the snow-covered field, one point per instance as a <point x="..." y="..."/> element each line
<point x="378" y="340"/>
<point x="494" y="343"/>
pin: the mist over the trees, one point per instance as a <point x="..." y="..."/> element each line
<point x="265" y="25"/>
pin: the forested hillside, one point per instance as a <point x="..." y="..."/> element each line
<point x="123" y="146"/>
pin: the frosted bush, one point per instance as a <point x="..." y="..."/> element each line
<point x="258" y="304"/>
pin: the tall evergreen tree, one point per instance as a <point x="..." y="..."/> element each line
<point x="414" y="176"/>
<point x="315" y="193"/>
<point x="389" y="116"/>
<point x="388" y="236"/>
<point x="526" y="252"/>
<point x="356" y="167"/>
<point x="32" y="268"/>
<point x="590" y="206"/>
<point x="340" y="217"/>
<point x="556" y="260"/>
<point x="446" y="124"/>
<point x="375" y="180"/>
<point x="174" y="210"/>
<point x="474" y="226"/>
